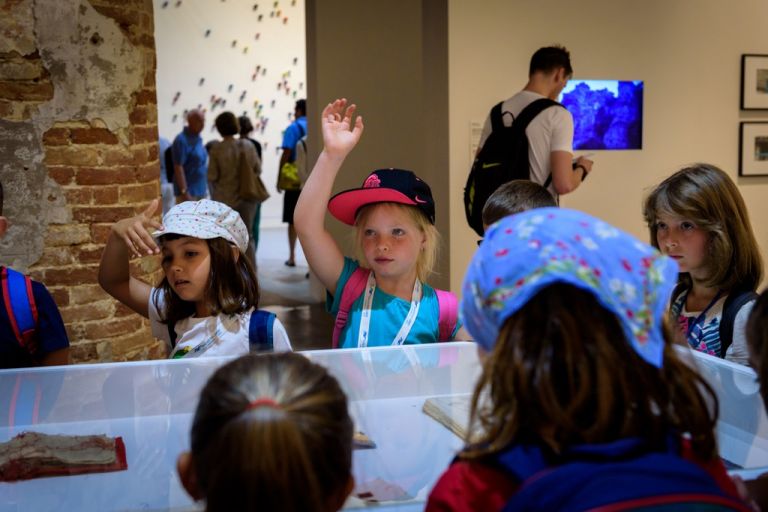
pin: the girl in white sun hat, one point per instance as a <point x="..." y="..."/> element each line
<point x="206" y="303"/>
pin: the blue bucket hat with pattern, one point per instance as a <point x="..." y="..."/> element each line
<point x="524" y="253"/>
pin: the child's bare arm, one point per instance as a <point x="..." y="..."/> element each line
<point x="129" y="237"/>
<point x="340" y="135"/>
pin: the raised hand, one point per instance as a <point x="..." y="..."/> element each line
<point x="339" y="133"/>
<point x="133" y="231"/>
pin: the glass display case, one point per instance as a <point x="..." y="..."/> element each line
<point x="150" y="405"/>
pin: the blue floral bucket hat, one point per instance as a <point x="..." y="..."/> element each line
<point x="524" y="253"/>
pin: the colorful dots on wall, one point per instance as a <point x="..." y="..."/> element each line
<point x="201" y="81"/>
<point x="285" y="20"/>
<point x="275" y="4"/>
<point x="264" y="72"/>
<point x="301" y="85"/>
<point x="257" y="36"/>
<point x="174" y="118"/>
<point x="295" y="60"/>
<point x="279" y="86"/>
<point x="294" y="94"/>
<point x="176" y="98"/>
<point x="261" y="17"/>
<point x="271" y="14"/>
<point x="230" y="87"/>
<point x="242" y="96"/>
<point x="272" y="103"/>
<point x="278" y="13"/>
<point x="245" y="49"/>
<point x="293" y="3"/>
<point x="253" y="77"/>
<point x="207" y="32"/>
<point x="234" y="43"/>
<point x="178" y="3"/>
<point x="255" y="6"/>
<point x="165" y="4"/>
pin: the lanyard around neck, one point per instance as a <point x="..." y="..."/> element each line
<point x="701" y="316"/>
<point x="365" y="319"/>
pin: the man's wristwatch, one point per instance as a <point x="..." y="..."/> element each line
<point x="583" y="171"/>
<point x="183" y="191"/>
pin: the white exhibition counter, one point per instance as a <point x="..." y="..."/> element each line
<point x="150" y="405"/>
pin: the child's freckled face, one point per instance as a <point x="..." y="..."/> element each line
<point x="685" y="242"/>
<point x="391" y="241"/>
<point x="187" y="266"/>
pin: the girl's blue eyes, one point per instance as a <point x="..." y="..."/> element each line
<point x="395" y="232"/>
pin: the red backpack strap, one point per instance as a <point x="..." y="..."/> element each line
<point x="449" y="314"/>
<point x="21" y="307"/>
<point x="351" y="291"/>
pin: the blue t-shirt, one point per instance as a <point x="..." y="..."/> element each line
<point x="51" y="335"/>
<point x="387" y="315"/>
<point x="293" y="134"/>
<point x="189" y="152"/>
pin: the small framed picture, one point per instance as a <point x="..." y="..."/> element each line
<point x="753" y="149"/>
<point x="754" y="82"/>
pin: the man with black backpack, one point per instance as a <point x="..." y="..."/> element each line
<point x="528" y="136"/>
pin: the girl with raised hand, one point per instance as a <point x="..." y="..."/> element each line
<point x="206" y="303"/>
<point x="381" y="298"/>
<point x="698" y="217"/>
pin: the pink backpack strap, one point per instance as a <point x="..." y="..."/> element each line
<point x="449" y="314"/>
<point x="352" y="290"/>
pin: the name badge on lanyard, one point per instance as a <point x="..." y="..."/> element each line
<point x="365" y="319"/>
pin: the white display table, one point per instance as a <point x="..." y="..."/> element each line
<point x="150" y="405"/>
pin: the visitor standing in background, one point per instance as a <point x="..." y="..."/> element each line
<point x="246" y="127"/>
<point x="291" y="137"/>
<point x="166" y="187"/>
<point x="550" y="134"/>
<point x="224" y="172"/>
<point x="190" y="160"/>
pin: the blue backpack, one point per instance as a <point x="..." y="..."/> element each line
<point x="621" y="475"/>
<point x="260" y="337"/>
<point x="25" y="395"/>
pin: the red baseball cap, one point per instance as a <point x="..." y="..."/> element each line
<point x="384" y="186"/>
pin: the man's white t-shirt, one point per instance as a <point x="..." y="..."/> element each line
<point x="221" y="335"/>
<point x="551" y="130"/>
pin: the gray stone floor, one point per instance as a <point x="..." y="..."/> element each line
<point x="297" y="301"/>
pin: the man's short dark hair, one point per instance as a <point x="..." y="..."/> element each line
<point x="246" y="126"/>
<point x="302" y="106"/>
<point x="550" y="58"/>
<point x="226" y="124"/>
<point x="514" y="197"/>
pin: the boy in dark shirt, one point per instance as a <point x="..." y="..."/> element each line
<point x="45" y="342"/>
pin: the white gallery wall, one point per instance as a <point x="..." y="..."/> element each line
<point x="245" y="56"/>
<point x="688" y="53"/>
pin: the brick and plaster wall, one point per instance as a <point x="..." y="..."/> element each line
<point x="78" y="151"/>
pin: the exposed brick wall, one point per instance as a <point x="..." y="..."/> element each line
<point x="24" y="84"/>
<point x="104" y="176"/>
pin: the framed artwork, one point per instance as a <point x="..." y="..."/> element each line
<point x="754" y="82"/>
<point x="753" y="149"/>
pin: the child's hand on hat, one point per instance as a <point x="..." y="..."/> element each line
<point x="338" y="138"/>
<point x="133" y="231"/>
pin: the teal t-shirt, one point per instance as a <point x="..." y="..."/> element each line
<point x="387" y="315"/>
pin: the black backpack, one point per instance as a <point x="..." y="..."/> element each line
<point x="503" y="158"/>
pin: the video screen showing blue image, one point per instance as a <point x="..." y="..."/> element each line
<point x="607" y="114"/>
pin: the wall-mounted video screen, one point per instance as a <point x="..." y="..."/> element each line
<point x="607" y="114"/>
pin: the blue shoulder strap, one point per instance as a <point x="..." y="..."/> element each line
<point x="260" y="331"/>
<point x="20" y="305"/>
